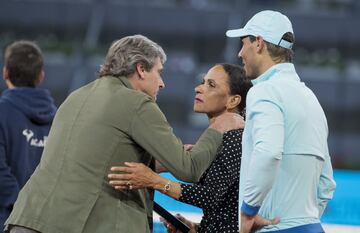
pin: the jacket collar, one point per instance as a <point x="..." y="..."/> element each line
<point x="281" y="67"/>
<point x="125" y="81"/>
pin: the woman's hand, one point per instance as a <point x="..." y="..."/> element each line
<point x="171" y="229"/>
<point x="138" y="176"/>
<point x="134" y="176"/>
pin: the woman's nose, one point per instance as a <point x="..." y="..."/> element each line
<point x="198" y="88"/>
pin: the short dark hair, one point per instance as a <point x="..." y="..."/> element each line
<point x="24" y="62"/>
<point x="279" y="54"/>
<point x="239" y="83"/>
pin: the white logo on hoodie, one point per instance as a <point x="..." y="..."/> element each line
<point x="34" y="141"/>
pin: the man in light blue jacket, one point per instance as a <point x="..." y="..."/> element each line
<point x="286" y="171"/>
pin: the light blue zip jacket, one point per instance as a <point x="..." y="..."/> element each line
<point x="286" y="170"/>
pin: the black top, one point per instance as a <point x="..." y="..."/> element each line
<point x="217" y="191"/>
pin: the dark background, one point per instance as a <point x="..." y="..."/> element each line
<point x="75" y="35"/>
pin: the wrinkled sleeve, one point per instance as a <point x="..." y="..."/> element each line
<point x="150" y="129"/>
<point x="326" y="186"/>
<point x="268" y="138"/>
<point x="8" y="184"/>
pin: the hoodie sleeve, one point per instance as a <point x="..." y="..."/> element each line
<point x="9" y="187"/>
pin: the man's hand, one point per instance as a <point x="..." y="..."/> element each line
<point x="228" y="121"/>
<point x="251" y="224"/>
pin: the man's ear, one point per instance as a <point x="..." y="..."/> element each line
<point x="233" y="102"/>
<point x="41" y="77"/>
<point x="6" y="77"/>
<point x="5" y="73"/>
<point x="140" y="69"/>
<point x="260" y="44"/>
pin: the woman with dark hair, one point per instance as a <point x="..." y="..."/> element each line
<point x="223" y="89"/>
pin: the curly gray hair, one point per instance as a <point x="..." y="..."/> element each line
<point x="126" y="53"/>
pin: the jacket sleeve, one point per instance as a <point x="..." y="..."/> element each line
<point x="268" y="140"/>
<point x="326" y="186"/>
<point x="9" y="187"/>
<point x="150" y="129"/>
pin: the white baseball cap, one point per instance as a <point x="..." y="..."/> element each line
<point x="270" y="25"/>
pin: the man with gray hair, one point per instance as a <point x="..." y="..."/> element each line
<point x="108" y="122"/>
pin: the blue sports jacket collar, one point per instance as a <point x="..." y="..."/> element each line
<point x="284" y="67"/>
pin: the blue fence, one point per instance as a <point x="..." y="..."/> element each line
<point x="344" y="208"/>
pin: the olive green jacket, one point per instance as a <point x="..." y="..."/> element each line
<point x="100" y="125"/>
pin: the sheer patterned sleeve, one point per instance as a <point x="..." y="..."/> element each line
<point x="215" y="182"/>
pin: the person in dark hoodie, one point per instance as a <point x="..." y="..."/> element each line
<point x="26" y="114"/>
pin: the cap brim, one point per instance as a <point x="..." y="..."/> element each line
<point x="236" y="33"/>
